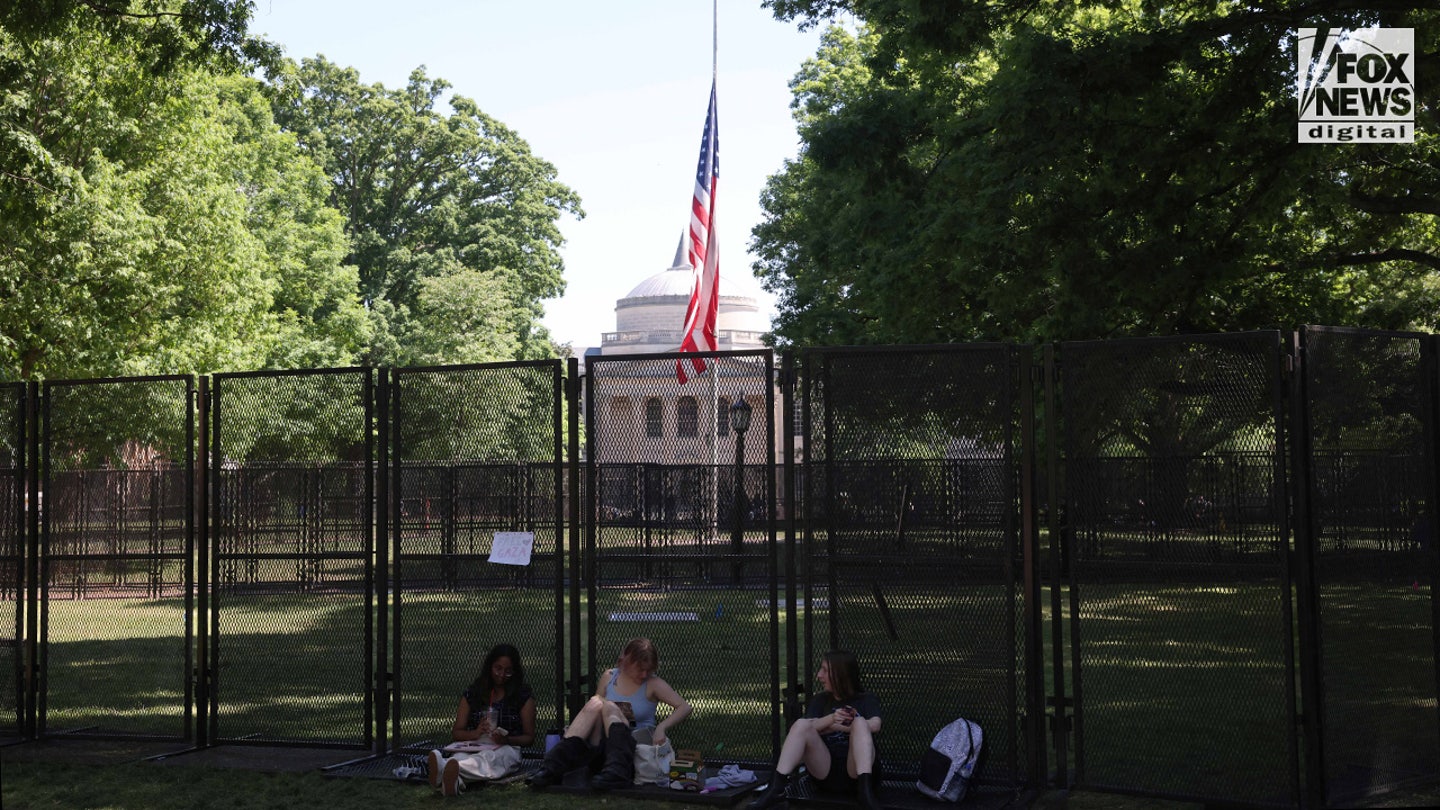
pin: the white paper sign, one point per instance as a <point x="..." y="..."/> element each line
<point x="512" y="548"/>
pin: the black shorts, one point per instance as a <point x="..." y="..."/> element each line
<point x="838" y="780"/>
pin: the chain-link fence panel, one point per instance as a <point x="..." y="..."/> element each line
<point x="476" y="465"/>
<point x="911" y="544"/>
<point x="117" y="538"/>
<point x="1372" y="461"/>
<point x="1176" y="546"/>
<point x="291" y="574"/>
<point x="13" y="498"/>
<point x="676" y="551"/>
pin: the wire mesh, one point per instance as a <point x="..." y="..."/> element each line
<point x="1173" y="464"/>
<point x="1370" y="413"/>
<point x="117" y="536"/>
<point x="911" y="548"/>
<point x="477" y="453"/>
<point x="292" y="605"/>
<point x="677" y="553"/>
<point x="13" y="498"/>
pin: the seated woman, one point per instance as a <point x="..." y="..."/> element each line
<point x="498" y="707"/>
<point x="835" y="740"/>
<point x="601" y="732"/>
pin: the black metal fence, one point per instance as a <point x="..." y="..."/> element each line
<point x="291" y="577"/>
<point x="1236" y="534"/>
<point x="1173" y="458"/>
<point x="1370" y="411"/>
<point x="912" y="556"/>
<point x="116" y="538"/>
<point x="676" y="551"/>
<point x="478" y="453"/>
<point x="12" y="559"/>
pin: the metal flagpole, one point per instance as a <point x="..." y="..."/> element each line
<point x="714" y="369"/>
<point x="714" y="453"/>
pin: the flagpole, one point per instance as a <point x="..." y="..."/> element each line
<point x="714" y="368"/>
<point x="714" y="452"/>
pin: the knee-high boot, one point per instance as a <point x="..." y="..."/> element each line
<point x="773" y="794"/>
<point x="568" y="754"/>
<point x="619" y="770"/>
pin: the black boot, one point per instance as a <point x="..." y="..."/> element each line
<point x="773" y="794"/>
<point x="865" y="795"/>
<point x="567" y="755"/>
<point x="619" y="770"/>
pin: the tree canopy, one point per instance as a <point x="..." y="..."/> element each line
<point x="163" y="210"/>
<point x="157" y="220"/>
<point x="1042" y="171"/>
<point x="452" y="221"/>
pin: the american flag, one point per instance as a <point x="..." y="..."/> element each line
<point x="704" y="252"/>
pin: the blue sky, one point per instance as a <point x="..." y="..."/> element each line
<point x="612" y="93"/>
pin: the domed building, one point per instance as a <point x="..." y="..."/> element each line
<point x="651" y="317"/>
<point x="654" y="419"/>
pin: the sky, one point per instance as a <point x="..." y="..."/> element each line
<point x="613" y="94"/>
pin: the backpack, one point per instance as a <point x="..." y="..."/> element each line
<point x="948" y="764"/>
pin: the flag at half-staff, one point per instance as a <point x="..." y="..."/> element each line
<point x="704" y="254"/>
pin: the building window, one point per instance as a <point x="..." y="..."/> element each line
<point x="687" y="417"/>
<point x="654" y="419"/>
<point x="722" y="417"/>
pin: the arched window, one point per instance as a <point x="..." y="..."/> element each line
<point x="722" y="417"/>
<point x="654" y="418"/>
<point x="687" y="417"/>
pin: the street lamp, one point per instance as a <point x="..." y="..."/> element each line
<point x="739" y="422"/>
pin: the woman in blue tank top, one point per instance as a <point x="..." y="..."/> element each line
<point x="626" y="699"/>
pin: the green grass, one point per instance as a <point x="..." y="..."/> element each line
<point x="60" y="786"/>
<point x="1184" y="684"/>
<point x="145" y="786"/>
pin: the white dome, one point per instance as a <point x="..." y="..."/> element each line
<point x="651" y="316"/>
<point x="675" y="281"/>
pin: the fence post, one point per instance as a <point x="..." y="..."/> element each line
<point x="380" y="475"/>
<point x="32" y="561"/>
<point x="1029" y="540"/>
<point x="794" y="687"/>
<point x="1311" y="700"/>
<point x="1060" y="721"/>
<point x="578" y="497"/>
<point x="1430" y="368"/>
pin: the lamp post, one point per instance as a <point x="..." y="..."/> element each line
<point x="739" y="422"/>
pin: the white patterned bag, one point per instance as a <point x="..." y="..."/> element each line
<point x="948" y="764"/>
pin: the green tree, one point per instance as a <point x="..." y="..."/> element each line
<point x="452" y="221"/>
<point x="155" y="220"/>
<point x="1040" y="171"/>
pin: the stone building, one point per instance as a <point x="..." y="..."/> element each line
<point x="662" y="420"/>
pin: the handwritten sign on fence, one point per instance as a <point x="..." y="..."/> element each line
<point x="512" y="548"/>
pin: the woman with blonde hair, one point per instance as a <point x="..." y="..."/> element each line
<point x="603" y="730"/>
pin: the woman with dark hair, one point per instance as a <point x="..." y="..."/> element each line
<point x="835" y="740"/>
<point x="497" y="708"/>
<point x="627" y="697"/>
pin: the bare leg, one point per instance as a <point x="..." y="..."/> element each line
<point x="593" y="719"/>
<point x="586" y="724"/>
<point x="862" y="749"/>
<point x="803" y="744"/>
